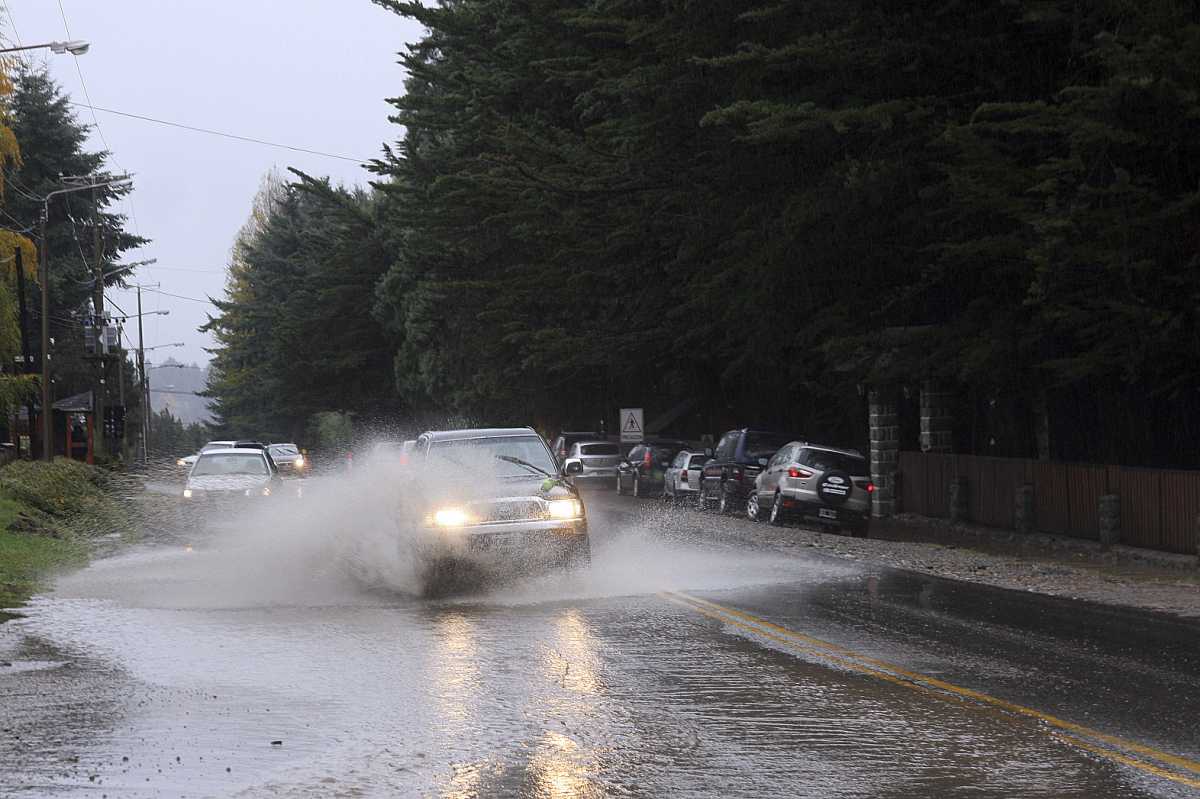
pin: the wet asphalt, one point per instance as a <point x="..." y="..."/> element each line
<point x="672" y="667"/>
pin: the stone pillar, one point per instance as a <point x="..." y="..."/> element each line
<point x="937" y="417"/>
<point x="1023" y="513"/>
<point x="885" y="449"/>
<point x="1110" y="519"/>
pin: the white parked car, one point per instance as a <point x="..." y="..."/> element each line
<point x="682" y="479"/>
<point x="599" y="459"/>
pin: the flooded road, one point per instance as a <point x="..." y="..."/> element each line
<point x="667" y="669"/>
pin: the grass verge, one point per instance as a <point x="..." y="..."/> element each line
<point x="50" y="514"/>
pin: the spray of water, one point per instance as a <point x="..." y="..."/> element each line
<point x="355" y="537"/>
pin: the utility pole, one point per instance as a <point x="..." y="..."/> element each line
<point x="47" y="414"/>
<point x="47" y="411"/>
<point x="145" y="382"/>
<point x="26" y="361"/>
<point x="101" y="443"/>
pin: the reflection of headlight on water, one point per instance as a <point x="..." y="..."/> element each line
<point x="565" y="509"/>
<point x="187" y="493"/>
<point x="181" y="462"/>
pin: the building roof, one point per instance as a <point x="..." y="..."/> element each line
<point x="79" y="403"/>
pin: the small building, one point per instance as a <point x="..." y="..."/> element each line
<point x="74" y="429"/>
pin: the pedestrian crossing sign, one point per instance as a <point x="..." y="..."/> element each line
<point x="632" y="429"/>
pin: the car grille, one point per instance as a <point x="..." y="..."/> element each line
<point x="518" y="510"/>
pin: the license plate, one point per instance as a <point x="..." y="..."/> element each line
<point x="827" y="513"/>
<point x="505" y="539"/>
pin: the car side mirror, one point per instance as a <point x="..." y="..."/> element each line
<point x="762" y="461"/>
<point x="573" y="466"/>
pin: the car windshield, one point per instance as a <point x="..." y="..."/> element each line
<point x="697" y="461"/>
<point x="599" y="449"/>
<point x="487" y="453"/>
<point x="764" y="445"/>
<point x="216" y="445"/>
<point x="828" y="461"/>
<point x="230" y="463"/>
<point x="283" y="450"/>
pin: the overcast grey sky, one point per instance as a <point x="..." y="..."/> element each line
<point x="308" y="73"/>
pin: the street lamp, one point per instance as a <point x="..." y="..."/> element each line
<point x="160" y="346"/>
<point x="47" y="412"/>
<point x="117" y="270"/>
<point x="74" y="47"/>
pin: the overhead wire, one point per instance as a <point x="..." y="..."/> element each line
<point x="95" y="119"/>
<point x="12" y="23"/>
<point x="223" y="134"/>
<point x="177" y="296"/>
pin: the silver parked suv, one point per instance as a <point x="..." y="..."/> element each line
<point x="829" y="484"/>
<point x="598" y="458"/>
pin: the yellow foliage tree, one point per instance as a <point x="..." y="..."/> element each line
<point x="14" y="389"/>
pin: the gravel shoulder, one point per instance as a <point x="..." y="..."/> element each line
<point x="1046" y="564"/>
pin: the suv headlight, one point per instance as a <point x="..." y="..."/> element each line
<point x="447" y="517"/>
<point x="187" y="493"/>
<point x="565" y="509"/>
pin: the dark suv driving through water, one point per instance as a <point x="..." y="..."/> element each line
<point x="497" y="498"/>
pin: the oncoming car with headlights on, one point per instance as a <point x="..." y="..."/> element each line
<point x="229" y="479"/>
<point x="494" y="498"/>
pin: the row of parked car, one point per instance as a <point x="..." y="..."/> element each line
<point x="767" y="475"/>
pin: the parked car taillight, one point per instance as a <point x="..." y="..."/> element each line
<point x="735" y="474"/>
<point x="803" y="474"/>
<point x="683" y="477"/>
<point x="647" y="461"/>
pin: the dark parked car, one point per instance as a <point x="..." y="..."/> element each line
<point x="740" y="455"/>
<point x="566" y="440"/>
<point x="644" y="469"/>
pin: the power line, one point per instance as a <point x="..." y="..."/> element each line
<point x="210" y="132"/>
<point x="96" y="120"/>
<point x="177" y="296"/>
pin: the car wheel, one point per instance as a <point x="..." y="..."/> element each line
<point x="637" y="486"/>
<point x="752" y="508"/>
<point x="778" y="515"/>
<point x="620" y="485"/>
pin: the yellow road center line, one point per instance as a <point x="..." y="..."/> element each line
<point x="910" y="679"/>
<point x="1141" y="765"/>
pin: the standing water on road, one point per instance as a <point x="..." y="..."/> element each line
<point x="292" y="653"/>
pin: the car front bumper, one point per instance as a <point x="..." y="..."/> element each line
<point x="511" y="537"/>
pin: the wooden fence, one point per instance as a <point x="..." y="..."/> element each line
<point x="1159" y="508"/>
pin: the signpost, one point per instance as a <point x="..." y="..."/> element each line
<point x="632" y="428"/>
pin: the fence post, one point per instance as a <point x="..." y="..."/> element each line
<point x="1023" y="512"/>
<point x="1110" y="519"/>
<point x="960" y="500"/>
